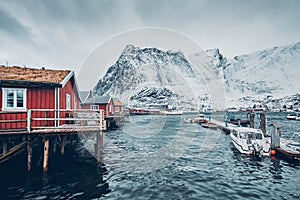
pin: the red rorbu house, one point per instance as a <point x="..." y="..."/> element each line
<point x="112" y="108"/>
<point x="118" y="107"/>
<point x="100" y="103"/>
<point x="24" y="88"/>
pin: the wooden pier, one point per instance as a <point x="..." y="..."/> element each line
<point x="281" y="146"/>
<point x="48" y="123"/>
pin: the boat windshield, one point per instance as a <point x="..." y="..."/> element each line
<point x="258" y="136"/>
<point x="251" y="135"/>
<point x="243" y="136"/>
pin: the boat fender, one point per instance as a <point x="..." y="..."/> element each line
<point x="272" y="152"/>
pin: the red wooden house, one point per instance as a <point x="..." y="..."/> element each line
<point x="24" y="88"/>
<point x="118" y="107"/>
<point x="100" y="103"/>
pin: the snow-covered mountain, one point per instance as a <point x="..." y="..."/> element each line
<point x="272" y="73"/>
<point x="151" y="69"/>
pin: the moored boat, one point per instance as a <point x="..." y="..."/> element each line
<point x="209" y="125"/>
<point x="200" y="119"/>
<point x="292" y="116"/>
<point x="172" y="112"/>
<point x="250" y="141"/>
<point x="138" y="111"/>
<point x="231" y="118"/>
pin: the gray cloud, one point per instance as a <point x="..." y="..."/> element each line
<point x="62" y="33"/>
<point x="10" y="25"/>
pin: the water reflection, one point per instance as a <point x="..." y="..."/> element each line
<point x="75" y="174"/>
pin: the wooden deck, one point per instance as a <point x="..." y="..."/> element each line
<point x="64" y="129"/>
<point x="52" y="121"/>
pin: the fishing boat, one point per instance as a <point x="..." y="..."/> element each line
<point x="209" y="125"/>
<point x="138" y="111"/>
<point x="250" y="141"/>
<point x="172" y="112"/>
<point x="231" y="118"/>
<point x="200" y="119"/>
<point x="293" y="116"/>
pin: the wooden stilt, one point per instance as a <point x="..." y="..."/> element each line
<point x="54" y="145"/>
<point x="252" y="115"/>
<point x="263" y="123"/>
<point x="4" y="146"/>
<point x="99" y="146"/>
<point x="29" y="153"/>
<point x="63" y="143"/>
<point x="46" y="154"/>
<point x="275" y="136"/>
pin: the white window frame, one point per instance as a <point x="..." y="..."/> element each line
<point x="117" y="109"/>
<point x="68" y="101"/>
<point x="75" y="104"/>
<point x="94" y="107"/>
<point x="14" y="90"/>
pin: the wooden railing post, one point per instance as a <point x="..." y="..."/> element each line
<point x="102" y="123"/>
<point x="29" y="121"/>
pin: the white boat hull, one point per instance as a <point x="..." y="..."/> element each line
<point x="250" y="146"/>
<point x="177" y="112"/>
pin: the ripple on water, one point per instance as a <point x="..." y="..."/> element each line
<point x="173" y="163"/>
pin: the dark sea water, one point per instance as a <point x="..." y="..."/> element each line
<point x="155" y="157"/>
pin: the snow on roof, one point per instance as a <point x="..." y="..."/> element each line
<point x="84" y="95"/>
<point x="98" y="100"/>
<point x="117" y="102"/>
<point x="15" y="73"/>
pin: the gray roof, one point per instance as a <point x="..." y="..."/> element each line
<point x="98" y="100"/>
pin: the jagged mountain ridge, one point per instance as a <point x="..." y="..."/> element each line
<point x="138" y="68"/>
<point x="271" y="72"/>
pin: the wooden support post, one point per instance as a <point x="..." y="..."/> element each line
<point x="63" y="143"/>
<point x="29" y="121"/>
<point x="54" y="145"/>
<point x="102" y="122"/>
<point x="29" y="153"/>
<point x="4" y="145"/>
<point x="263" y="123"/>
<point x="46" y="116"/>
<point x="46" y="154"/>
<point x="252" y="115"/>
<point x="99" y="146"/>
<point x="275" y="136"/>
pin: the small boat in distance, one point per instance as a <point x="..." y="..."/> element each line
<point x="231" y="118"/>
<point x="209" y="125"/>
<point x="200" y="119"/>
<point x="292" y="116"/>
<point x="250" y="141"/>
<point x="172" y="112"/>
<point x="138" y="111"/>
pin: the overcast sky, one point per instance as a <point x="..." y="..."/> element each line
<point x="61" y="34"/>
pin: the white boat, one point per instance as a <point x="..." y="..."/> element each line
<point x="250" y="141"/>
<point x="292" y="116"/>
<point x="172" y="112"/>
<point x="199" y="119"/>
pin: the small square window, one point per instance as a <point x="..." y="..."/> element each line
<point x="13" y="99"/>
<point x="94" y="107"/>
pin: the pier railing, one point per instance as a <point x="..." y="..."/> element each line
<point x="36" y="119"/>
